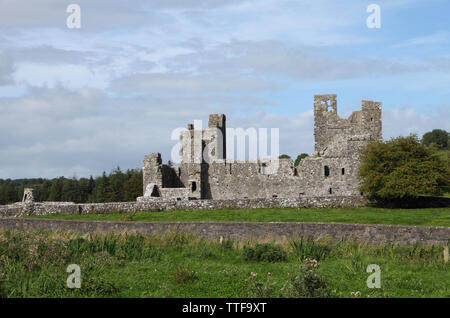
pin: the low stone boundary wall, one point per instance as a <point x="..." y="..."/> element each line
<point x="46" y="208"/>
<point x="369" y="233"/>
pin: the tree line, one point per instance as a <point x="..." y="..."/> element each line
<point x="117" y="186"/>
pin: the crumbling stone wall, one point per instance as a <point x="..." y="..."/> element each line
<point x="331" y="171"/>
<point x="169" y="203"/>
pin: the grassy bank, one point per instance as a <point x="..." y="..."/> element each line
<point x="365" y="215"/>
<point x="174" y="265"/>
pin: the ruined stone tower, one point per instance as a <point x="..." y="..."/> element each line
<point x="334" y="135"/>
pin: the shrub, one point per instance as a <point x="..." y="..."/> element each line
<point x="264" y="253"/>
<point x="402" y="168"/>
<point x="309" y="282"/>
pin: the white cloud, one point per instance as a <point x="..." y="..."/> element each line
<point x="275" y="58"/>
<point x="405" y="121"/>
<point x="81" y="101"/>
<point x="6" y="68"/>
<point x="53" y="130"/>
<point x="438" y="37"/>
<point x="46" y="54"/>
<point x="187" y="84"/>
<point x="69" y="75"/>
<point x="95" y="15"/>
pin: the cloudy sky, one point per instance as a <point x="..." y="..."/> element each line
<point x="80" y="101"/>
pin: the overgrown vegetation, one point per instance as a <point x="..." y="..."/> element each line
<point x="309" y="282"/>
<point x="299" y="158"/>
<point x="33" y="264"/>
<point x="264" y="253"/>
<point x="315" y="250"/>
<point x="117" y="186"/>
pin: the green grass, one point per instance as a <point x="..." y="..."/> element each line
<point x="365" y="215"/>
<point x="33" y="264"/>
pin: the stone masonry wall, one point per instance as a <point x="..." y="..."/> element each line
<point x="369" y="233"/>
<point x="46" y="208"/>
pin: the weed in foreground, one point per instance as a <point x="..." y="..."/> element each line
<point x="264" y="253"/>
<point x="305" y="248"/>
<point x="258" y="289"/>
<point x="183" y="275"/>
<point x="308" y="283"/>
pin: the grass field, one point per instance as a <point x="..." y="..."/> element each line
<point x="33" y="264"/>
<point x="365" y="215"/>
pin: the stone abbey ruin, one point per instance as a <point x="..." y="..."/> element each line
<point x="205" y="173"/>
<point x="205" y="179"/>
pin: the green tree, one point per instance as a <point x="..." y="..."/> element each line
<point x="8" y="194"/>
<point x="56" y="189"/>
<point x="300" y="157"/>
<point x="284" y="156"/>
<point x="439" y="137"/>
<point x="116" y="181"/>
<point x="402" y="168"/>
<point x="132" y="187"/>
<point x="44" y="191"/>
<point x="90" y="190"/>
<point x="101" y="189"/>
<point x="70" y="191"/>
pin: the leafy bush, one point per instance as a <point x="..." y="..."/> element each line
<point x="264" y="253"/>
<point x="402" y="168"/>
<point x="308" y="283"/>
<point x="305" y="248"/>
